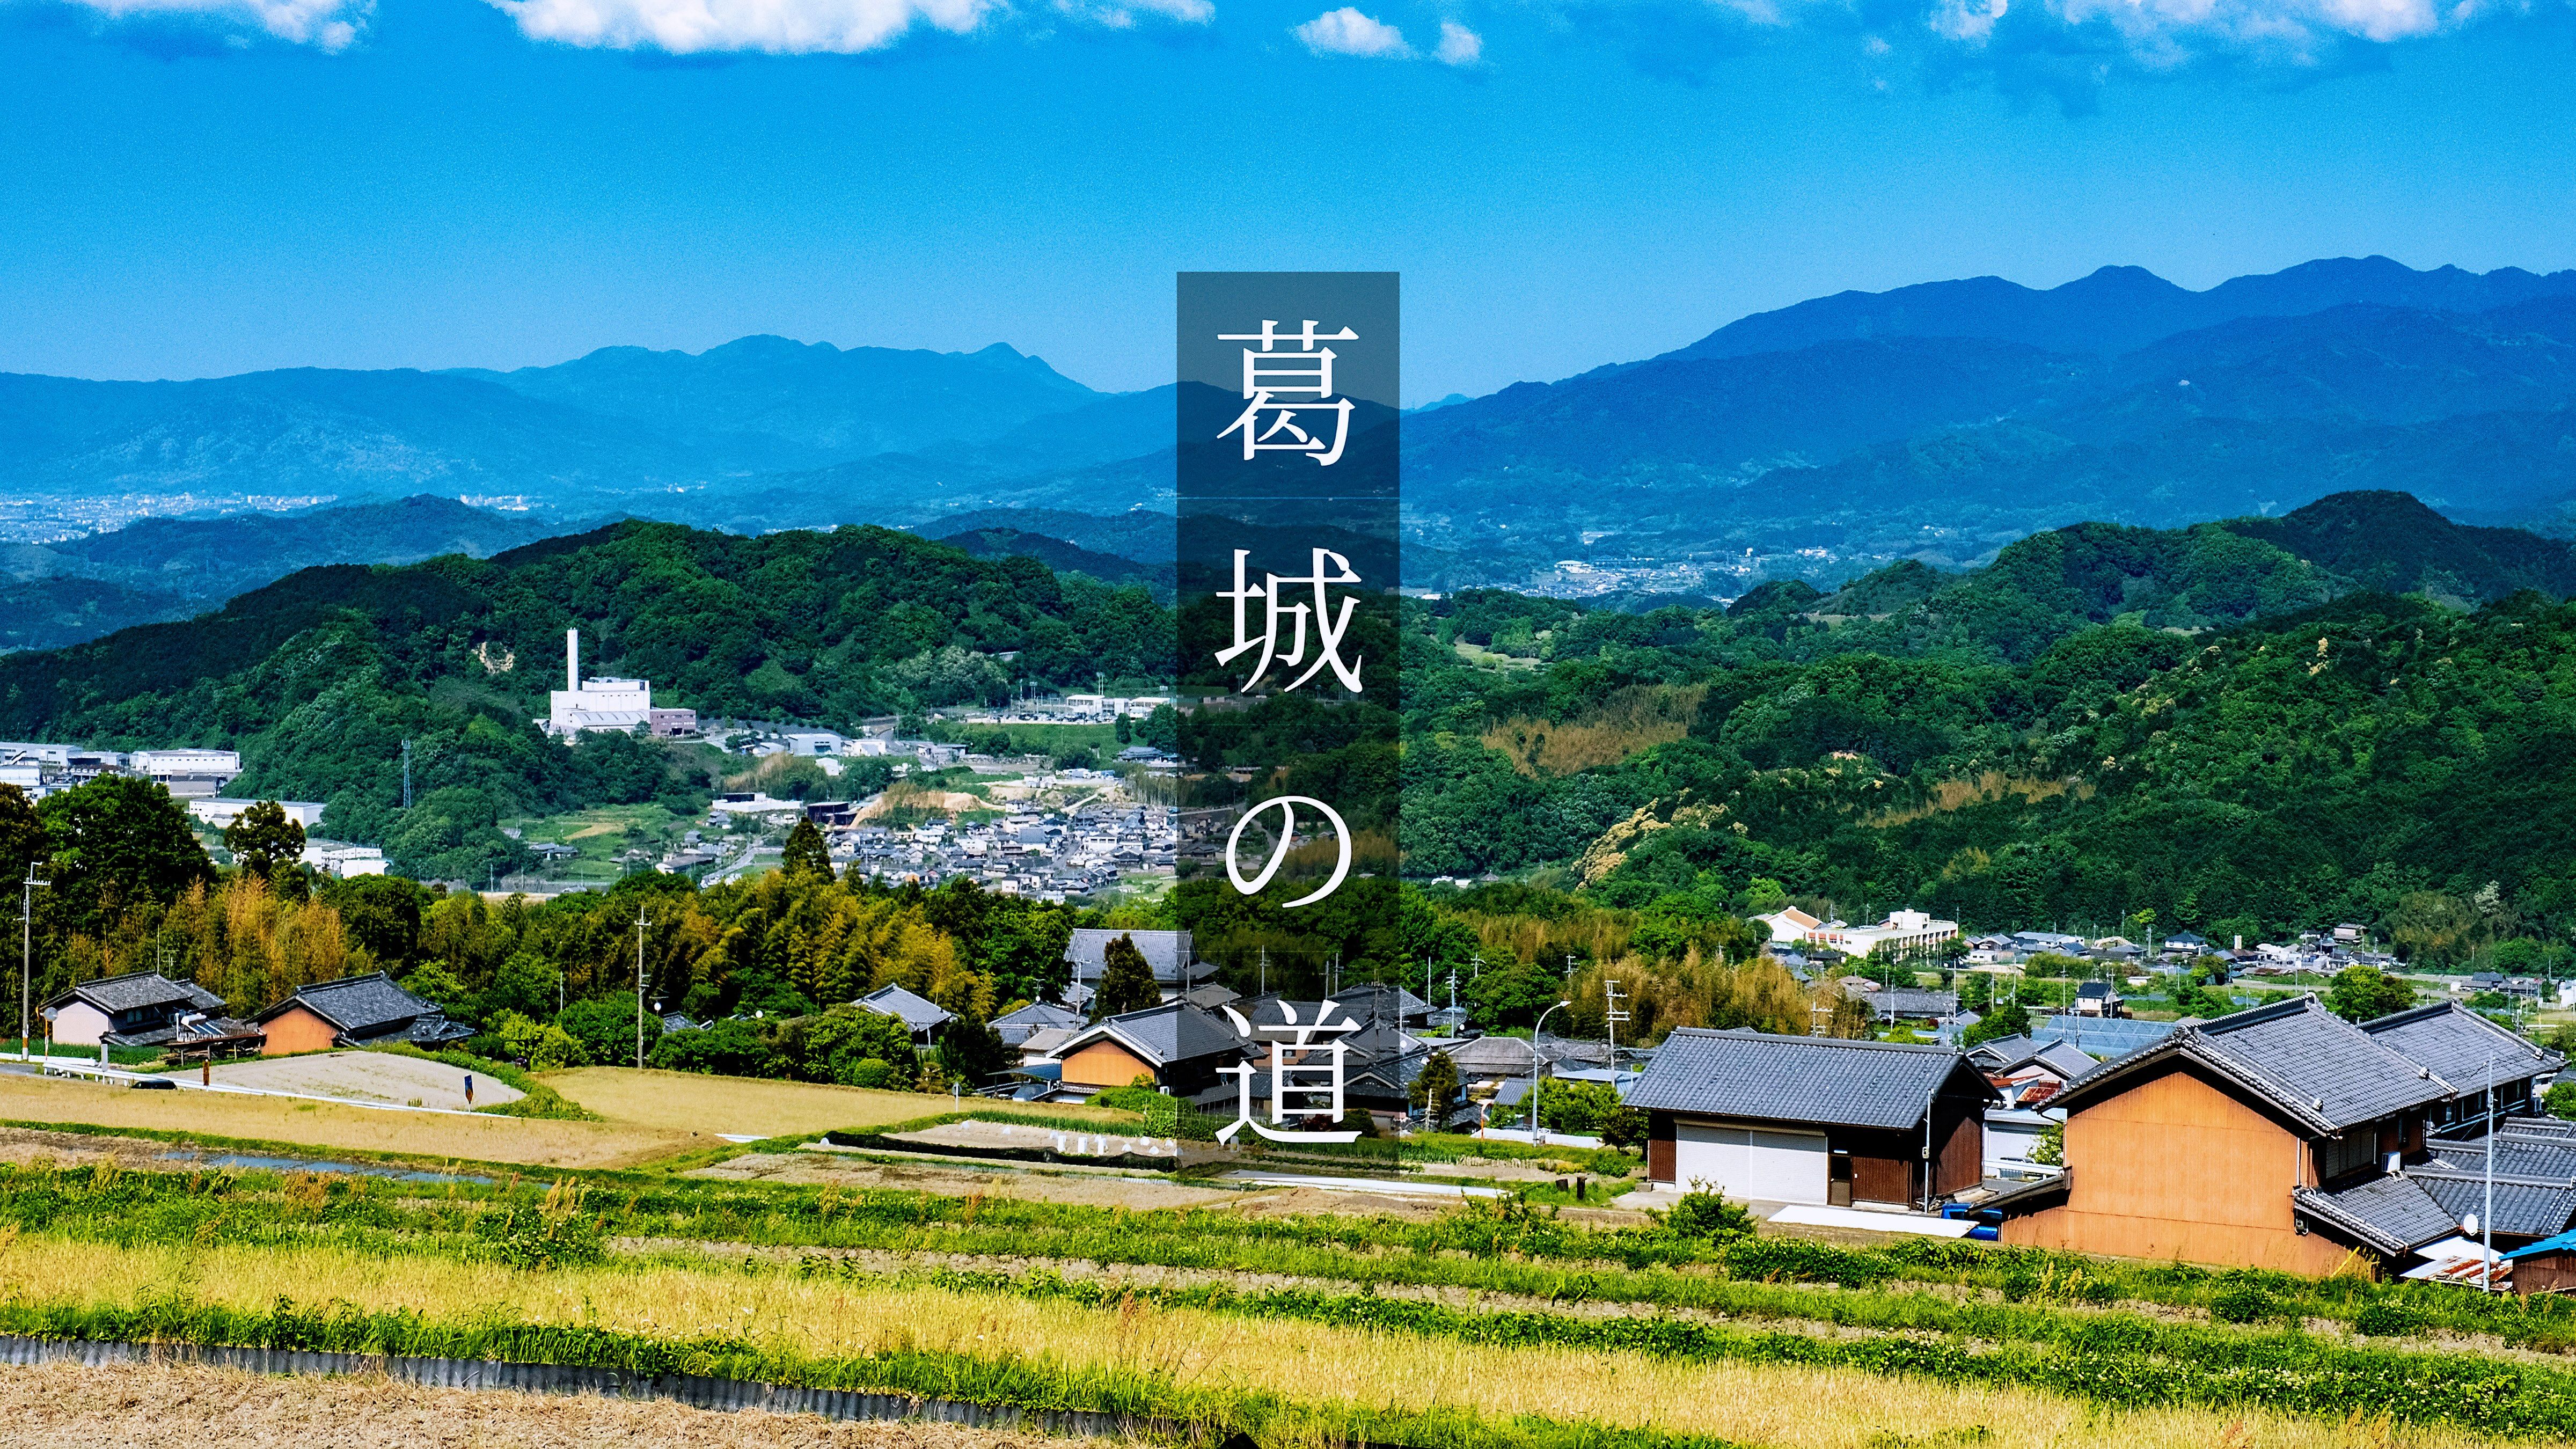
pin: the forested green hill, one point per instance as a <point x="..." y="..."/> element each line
<point x="2199" y="724"/>
<point x="320" y="677"/>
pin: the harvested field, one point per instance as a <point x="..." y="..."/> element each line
<point x="1096" y="1189"/>
<point x="37" y="1101"/>
<point x="367" y="1076"/>
<point x="744" y="1107"/>
<point x="1756" y="1404"/>
<point x="156" y="1405"/>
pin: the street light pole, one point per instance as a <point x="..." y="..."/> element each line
<point x="1538" y="1033"/>
<point x="27" y="959"/>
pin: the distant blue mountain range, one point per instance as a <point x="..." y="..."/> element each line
<point x="1936" y="421"/>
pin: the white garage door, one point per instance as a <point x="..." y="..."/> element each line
<point x="1751" y="1163"/>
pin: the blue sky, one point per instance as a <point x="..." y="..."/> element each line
<point x="198" y="187"/>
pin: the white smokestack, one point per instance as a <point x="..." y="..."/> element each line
<point x="572" y="660"/>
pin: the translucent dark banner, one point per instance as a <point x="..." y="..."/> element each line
<point x="1288" y="431"/>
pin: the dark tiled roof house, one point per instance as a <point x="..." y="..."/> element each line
<point x="2278" y="1137"/>
<point x="145" y="1008"/>
<point x="357" y="1011"/>
<point x="1804" y="1119"/>
<point x="1181" y="1047"/>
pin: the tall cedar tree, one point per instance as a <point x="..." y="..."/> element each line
<point x="806" y="852"/>
<point x="262" y="838"/>
<point x="1126" y="982"/>
<point x="1437" y="1086"/>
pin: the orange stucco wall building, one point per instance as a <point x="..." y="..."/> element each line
<point x="1103" y="1064"/>
<point x="2180" y="1168"/>
<point x="297" y="1030"/>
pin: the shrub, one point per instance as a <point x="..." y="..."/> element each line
<point x="873" y="1072"/>
<point x="2241" y="1303"/>
<point x="1704" y="1215"/>
<point x="536" y="1241"/>
<point x="2384" y="1318"/>
<point x="1804" y="1260"/>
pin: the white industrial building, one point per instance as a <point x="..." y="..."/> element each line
<point x="608" y="703"/>
<point x="221" y="813"/>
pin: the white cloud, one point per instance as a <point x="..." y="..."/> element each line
<point x="1459" y="45"/>
<point x="778" y="27"/>
<point x="1347" y="32"/>
<point x="326" y="24"/>
<point x="1121" y="14"/>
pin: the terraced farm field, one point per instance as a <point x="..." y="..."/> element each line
<point x="1486" y="1324"/>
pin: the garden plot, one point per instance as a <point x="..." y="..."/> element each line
<point x="367" y="1077"/>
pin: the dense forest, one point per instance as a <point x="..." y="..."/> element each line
<point x="2202" y="726"/>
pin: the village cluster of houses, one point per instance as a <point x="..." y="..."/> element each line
<point x="148" y="1009"/>
<point x="1051" y="855"/>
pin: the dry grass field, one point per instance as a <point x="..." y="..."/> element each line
<point x="687" y="1102"/>
<point x="1627" y="721"/>
<point x="39" y="1100"/>
<point x="367" y="1076"/>
<point x="137" y="1406"/>
<point x="1784" y="1407"/>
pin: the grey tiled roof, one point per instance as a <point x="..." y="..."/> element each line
<point x="2538" y="1158"/>
<point x="917" y="1013"/>
<point x="1172" y="1032"/>
<point x="1913" y="1001"/>
<point x="2461" y="1047"/>
<point x="360" y="1006"/>
<point x="2523" y="1207"/>
<point x="138" y="989"/>
<point x="2003" y="1051"/>
<point x="1169" y="953"/>
<point x="1744" y="1074"/>
<point x="1405" y="1002"/>
<point x="2318" y="1068"/>
<point x="1016" y="1027"/>
<point x="2390" y="1214"/>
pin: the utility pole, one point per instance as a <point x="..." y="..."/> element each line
<point x="27" y="958"/>
<point x="1611" y="1016"/>
<point x="406" y="774"/>
<point x="639" y="986"/>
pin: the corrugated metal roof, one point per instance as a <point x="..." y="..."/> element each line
<point x="2100" y="1036"/>
<point x="2461" y="1047"/>
<point x="1747" y="1075"/>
